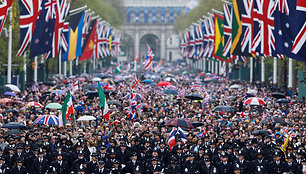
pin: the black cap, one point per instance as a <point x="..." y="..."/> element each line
<point x="19" y="160"/>
<point x="40" y="151"/>
<point x="101" y="162"/>
<point x="237" y="166"/>
<point x="154" y="159"/>
<point x="290" y="156"/>
<point x="116" y="161"/>
<point x="59" y="153"/>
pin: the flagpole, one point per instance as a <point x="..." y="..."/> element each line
<point x="212" y="67"/>
<point x="251" y="69"/>
<point x="65" y="68"/>
<point x="9" y="61"/>
<point x="70" y="66"/>
<point x="135" y="65"/>
<point x="275" y="71"/>
<point x="35" y="69"/>
<point x="290" y="78"/>
<point x="204" y="65"/>
<point x="262" y="69"/>
<point x="72" y="12"/>
<point x="25" y="66"/>
<point x="60" y="62"/>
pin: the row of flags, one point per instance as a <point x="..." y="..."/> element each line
<point x="44" y="29"/>
<point x="249" y="28"/>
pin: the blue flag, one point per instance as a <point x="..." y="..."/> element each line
<point x="43" y="33"/>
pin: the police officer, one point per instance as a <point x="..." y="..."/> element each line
<point x="260" y="162"/>
<point x="190" y="165"/>
<point x="207" y="167"/>
<point x="244" y="165"/>
<point x="225" y="167"/>
<point x="19" y="168"/>
<point x="154" y="166"/>
<point x="132" y="164"/>
<point x="277" y="166"/>
<point x="3" y="167"/>
<point x="293" y="166"/>
<point x="41" y="164"/>
<point x="116" y="169"/>
<point x="101" y="169"/>
<point x="61" y="166"/>
<point x="173" y="168"/>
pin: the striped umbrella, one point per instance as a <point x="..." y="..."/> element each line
<point x="47" y="119"/>
<point x="255" y="101"/>
<point x="36" y="104"/>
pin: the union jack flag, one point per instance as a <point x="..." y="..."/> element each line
<point x="132" y="109"/>
<point x="263" y="40"/>
<point x="51" y="9"/>
<point x="191" y="48"/>
<point x="227" y="29"/>
<point x="206" y="43"/>
<point x="300" y="39"/>
<point x="149" y="59"/>
<point x="136" y="81"/>
<point x="282" y="6"/>
<point x="212" y="35"/>
<point x="29" y="13"/>
<point x="186" y="38"/>
<point x="4" y="7"/>
<point x="100" y="40"/>
<point x="247" y="20"/>
<point x="205" y="100"/>
<point x="116" y="43"/>
<point x="198" y="41"/>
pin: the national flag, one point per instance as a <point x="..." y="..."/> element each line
<point x="89" y="42"/>
<point x="136" y="81"/>
<point x="223" y="69"/>
<point x="137" y="57"/>
<point x="67" y="110"/>
<point x="103" y="103"/>
<point x="86" y="25"/>
<point x="105" y="50"/>
<point x="4" y="7"/>
<point x="116" y="42"/>
<point x="149" y="59"/>
<point x="283" y="35"/>
<point x="205" y="100"/>
<point x="219" y="39"/>
<point x="247" y="19"/>
<point x="118" y="69"/>
<point x="243" y="114"/>
<point x="299" y="29"/>
<point x="192" y="44"/>
<point x="171" y="139"/>
<point x="41" y="42"/>
<point x="75" y="86"/>
<point x="228" y="10"/>
<point x="61" y="29"/>
<point x="263" y="38"/>
<point x="211" y="36"/>
<point x="132" y="109"/>
<point x="181" y="135"/>
<point x="206" y="34"/>
<point x="100" y="40"/>
<point x="29" y="13"/>
<point x="198" y="41"/>
<point x="75" y="36"/>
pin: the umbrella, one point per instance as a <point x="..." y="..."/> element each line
<point x="197" y="124"/>
<point x="10" y="110"/>
<point x="224" y="108"/>
<point x="36" y="104"/>
<point x="6" y="100"/>
<point x="13" y="87"/>
<point x="231" y="98"/>
<point x="89" y="86"/>
<point x="10" y="93"/>
<point x="81" y="79"/>
<point x="92" y="94"/>
<point x="152" y="84"/>
<point x="96" y="79"/>
<point x="283" y="100"/>
<point x="109" y="81"/>
<point x="14" y="125"/>
<point x="252" y="91"/>
<point x="148" y="81"/>
<point x="49" y="83"/>
<point x="101" y="84"/>
<point x="163" y="83"/>
<point x="4" y="88"/>
<point x="54" y="106"/>
<point x="278" y="95"/>
<point x="86" y="118"/>
<point x="13" y="132"/>
<point x="201" y="74"/>
<point x="255" y="101"/>
<point x="114" y="102"/>
<point x="171" y="91"/>
<point x="279" y="120"/>
<point x="261" y="132"/>
<point x="136" y="96"/>
<point x="47" y="119"/>
<point x="179" y="122"/>
<point x="235" y="86"/>
<point x="194" y="97"/>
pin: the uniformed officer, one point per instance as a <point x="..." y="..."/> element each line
<point x="132" y="164"/>
<point x="101" y="168"/>
<point x="244" y="165"/>
<point x="260" y="162"/>
<point x="41" y="164"/>
<point x="18" y="168"/>
<point x="61" y="166"/>
<point x="154" y="166"/>
<point x="277" y="166"/>
<point x="225" y="167"/>
<point x="190" y="165"/>
<point x="173" y="168"/>
<point x="293" y="166"/>
<point x="116" y="169"/>
<point x="3" y="167"/>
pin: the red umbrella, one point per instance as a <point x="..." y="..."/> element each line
<point x="164" y="83"/>
<point x="255" y="101"/>
<point x="6" y="100"/>
<point x="36" y="104"/>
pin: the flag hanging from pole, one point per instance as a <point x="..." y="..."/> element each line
<point x="4" y="7"/>
<point x="67" y="110"/>
<point x="103" y="103"/>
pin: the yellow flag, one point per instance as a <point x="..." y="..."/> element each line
<point x="110" y="43"/>
<point x="284" y="147"/>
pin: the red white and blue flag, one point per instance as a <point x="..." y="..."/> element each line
<point x="247" y="19"/>
<point x="299" y="44"/>
<point x="4" y="7"/>
<point x="174" y="132"/>
<point x="30" y="10"/>
<point x="132" y="109"/>
<point x="149" y="59"/>
<point x="227" y="29"/>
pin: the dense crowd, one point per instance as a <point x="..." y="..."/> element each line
<point x="247" y="140"/>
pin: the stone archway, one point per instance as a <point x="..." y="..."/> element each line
<point x="153" y="41"/>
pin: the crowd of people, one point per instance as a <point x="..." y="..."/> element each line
<point x="267" y="139"/>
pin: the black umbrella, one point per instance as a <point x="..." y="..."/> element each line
<point x="10" y="110"/>
<point x="194" y="97"/>
<point x="109" y="91"/>
<point x="50" y="83"/>
<point x="283" y="100"/>
<point x="89" y="86"/>
<point x="114" y="102"/>
<point x="261" y="132"/>
<point x="14" y="125"/>
<point x="278" y="95"/>
<point x="152" y="84"/>
<point x="4" y="89"/>
<point x="224" y="108"/>
<point x="197" y="124"/>
<point x="170" y="91"/>
<point x="92" y="94"/>
<point x="179" y="122"/>
<point x="13" y="132"/>
<point x="279" y="120"/>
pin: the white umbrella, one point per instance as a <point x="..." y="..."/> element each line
<point x="86" y="118"/>
<point x="252" y="91"/>
<point x="235" y="86"/>
<point x="13" y="87"/>
<point x="96" y="79"/>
